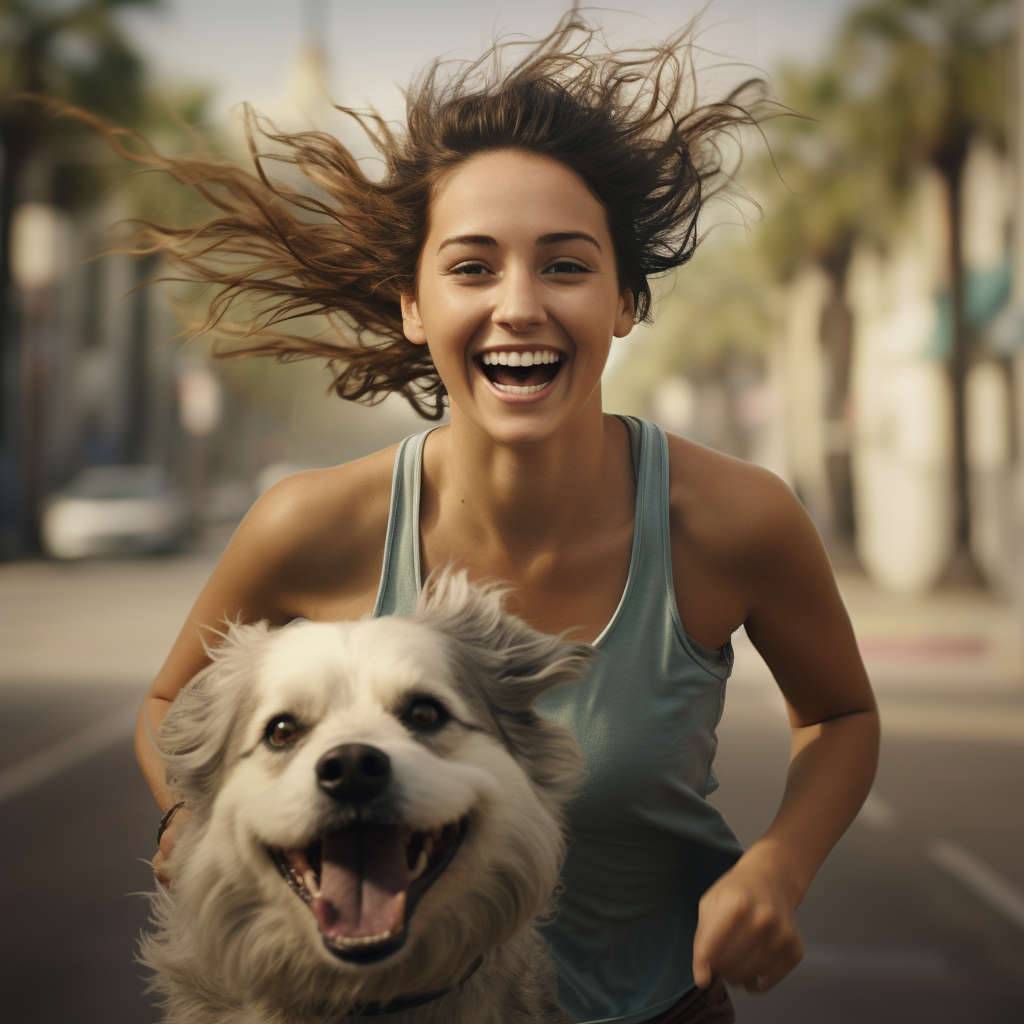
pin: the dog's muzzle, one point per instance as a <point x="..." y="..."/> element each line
<point x="363" y="881"/>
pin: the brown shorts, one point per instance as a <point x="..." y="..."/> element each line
<point x="700" y="1006"/>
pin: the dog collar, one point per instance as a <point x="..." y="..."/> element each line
<point x="408" y="1002"/>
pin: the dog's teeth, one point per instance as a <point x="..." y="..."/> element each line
<point x="344" y="942"/>
<point x="309" y="880"/>
<point x="421" y="866"/>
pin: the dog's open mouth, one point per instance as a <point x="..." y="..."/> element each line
<point x="362" y="882"/>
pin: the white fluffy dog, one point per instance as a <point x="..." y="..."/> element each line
<point x="376" y="821"/>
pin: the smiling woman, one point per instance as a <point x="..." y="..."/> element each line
<point x="516" y="315"/>
<point x="628" y="124"/>
<point x="523" y="210"/>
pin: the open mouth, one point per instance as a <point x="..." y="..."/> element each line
<point x="521" y="373"/>
<point x="363" y="882"/>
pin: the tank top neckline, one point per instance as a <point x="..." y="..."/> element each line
<point x="639" y="456"/>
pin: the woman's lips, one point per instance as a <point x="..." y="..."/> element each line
<point x="516" y="374"/>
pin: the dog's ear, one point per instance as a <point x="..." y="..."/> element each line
<point x="509" y="664"/>
<point x="524" y="662"/>
<point x="193" y="738"/>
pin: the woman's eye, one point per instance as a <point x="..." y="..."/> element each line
<point x="470" y="269"/>
<point x="425" y="713"/>
<point x="567" y="267"/>
<point x="282" y="730"/>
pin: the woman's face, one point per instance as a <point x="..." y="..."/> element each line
<point x="517" y="294"/>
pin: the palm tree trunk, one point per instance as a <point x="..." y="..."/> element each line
<point x="17" y="144"/>
<point x="136" y="433"/>
<point x="962" y="569"/>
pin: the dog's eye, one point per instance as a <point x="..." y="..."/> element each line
<point x="282" y="730"/>
<point x="426" y="713"/>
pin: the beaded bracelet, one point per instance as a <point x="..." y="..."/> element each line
<point x="165" y="821"/>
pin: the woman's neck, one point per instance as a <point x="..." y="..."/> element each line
<point x="526" y="498"/>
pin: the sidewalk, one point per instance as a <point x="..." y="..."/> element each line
<point x="94" y="623"/>
<point x="955" y="641"/>
<point x="943" y="665"/>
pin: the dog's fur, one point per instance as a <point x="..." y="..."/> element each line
<point x="237" y="940"/>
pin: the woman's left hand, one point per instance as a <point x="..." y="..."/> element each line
<point x="746" y="929"/>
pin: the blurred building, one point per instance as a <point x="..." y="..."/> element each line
<point x="893" y="423"/>
<point x="852" y="402"/>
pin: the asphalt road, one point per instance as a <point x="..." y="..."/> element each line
<point x="898" y="925"/>
<point x="918" y="915"/>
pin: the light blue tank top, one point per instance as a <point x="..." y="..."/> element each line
<point x="646" y="843"/>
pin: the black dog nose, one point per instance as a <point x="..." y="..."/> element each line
<point x="353" y="771"/>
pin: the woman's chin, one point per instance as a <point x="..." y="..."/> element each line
<point x="513" y="419"/>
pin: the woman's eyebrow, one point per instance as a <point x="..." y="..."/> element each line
<point x="567" y="236"/>
<point x="467" y="240"/>
<point x="551" y="239"/>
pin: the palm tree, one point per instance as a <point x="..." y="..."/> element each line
<point x="944" y="79"/>
<point x="909" y="83"/>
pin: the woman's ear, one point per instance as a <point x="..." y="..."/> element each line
<point x="624" y="322"/>
<point x="412" y="325"/>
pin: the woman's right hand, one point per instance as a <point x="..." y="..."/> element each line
<point x="167" y="844"/>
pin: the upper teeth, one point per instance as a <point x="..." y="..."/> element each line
<point x="521" y="358"/>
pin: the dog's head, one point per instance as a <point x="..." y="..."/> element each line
<point x="375" y="802"/>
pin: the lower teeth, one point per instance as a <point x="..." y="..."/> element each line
<point x="343" y="942"/>
<point x="528" y="389"/>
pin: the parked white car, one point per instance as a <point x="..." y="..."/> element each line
<point x="115" y="510"/>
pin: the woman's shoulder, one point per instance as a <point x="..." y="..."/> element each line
<point x="311" y="506"/>
<point x="730" y="509"/>
<point x="321" y="529"/>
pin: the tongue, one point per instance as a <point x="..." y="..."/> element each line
<point x="363" y="880"/>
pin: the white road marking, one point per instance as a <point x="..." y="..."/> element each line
<point x="68" y="753"/>
<point x="878" y="814"/>
<point x="1000" y="894"/>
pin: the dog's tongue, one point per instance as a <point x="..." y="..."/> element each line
<point x="363" y="880"/>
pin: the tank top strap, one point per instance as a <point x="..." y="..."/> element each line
<point x="656" y="544"/>
<point x="650" y="568"/>
<point x="401" y="577"/>
<point x="654" y="600"/>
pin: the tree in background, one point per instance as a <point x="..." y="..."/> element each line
<point x="75" y="53"/>
<point x="909" y="82"/>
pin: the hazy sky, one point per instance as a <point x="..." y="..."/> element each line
<point x="243" y="49"/>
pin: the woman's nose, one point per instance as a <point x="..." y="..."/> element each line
<point x="520" y="305"/>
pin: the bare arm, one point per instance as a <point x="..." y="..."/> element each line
<point x="776" y="572"/>
<point x="247" y="585"/>
<point x="798" y="623"/>
<point x="747" y="928"/>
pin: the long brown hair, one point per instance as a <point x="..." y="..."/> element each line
<point x="628" y="122"/>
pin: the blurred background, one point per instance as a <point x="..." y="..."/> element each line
<point x="854" y="321"/>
